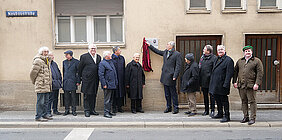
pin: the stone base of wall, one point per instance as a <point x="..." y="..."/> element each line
<point x="20" y="95"/>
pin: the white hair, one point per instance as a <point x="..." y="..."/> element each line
<point x="221" y="46"/>
<point x="42" y="49"/>
<point x="171" y="43"/>
<point x="135" y="54"/>
<point x="90" y="46"/>
<point x="105" y="53"/>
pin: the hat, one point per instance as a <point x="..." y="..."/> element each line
<point x="68" y="52"/>
<point x="247" y="47"/>
<point x="189" y="56"/>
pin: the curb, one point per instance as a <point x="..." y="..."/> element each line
<point x="133" y="124"/>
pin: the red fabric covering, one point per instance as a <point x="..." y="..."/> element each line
<point x="146" y="61"/>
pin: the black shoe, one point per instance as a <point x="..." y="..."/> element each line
<point x="225" y="119"/>
<point x="133" y="111"/>
<point x="212" y="114"/>
<point x="218" y="116"/>
<point x="74" y="113"/>
<point x="112" y="114"/>
<point x="175" y="111"/>
<point x="120" y="110"/>
<point x="141" y="111"/>
<point x="107" y="115"/>
<point x="114" y="110"/>
<point x="47" y="117"/>
<point x="187" y="113"/>
<point x="94" y="113"/>
<point x="167" y="110"/>
<point x="252" y="121"/>
<point x="41" y="120"/>
<point x="57" y="113"/>
<point x="192" y="114"/>
<point x="245" y="119"/>
<point x="87" y="114"/>
<point x="66" y="113"/>
<point x="205" y="113"/>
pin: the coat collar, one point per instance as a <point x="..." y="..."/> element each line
<point x="220" y="61"/>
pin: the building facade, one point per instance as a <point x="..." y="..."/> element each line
<point x="71" y="24"/>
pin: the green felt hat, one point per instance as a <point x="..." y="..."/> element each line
<point x="247" y="47"/>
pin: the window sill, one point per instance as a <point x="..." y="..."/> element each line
<point x="85" y="45"/>
<point x="233" y="11"/>
<point x="199" y="11"/>
<point x="269" y="10"/>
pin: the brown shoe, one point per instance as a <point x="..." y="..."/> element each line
<point x="41" y="120"/>
<point x="252" y="121"/>
<point x="47" y="117"/>
<point x="245" y="119"/>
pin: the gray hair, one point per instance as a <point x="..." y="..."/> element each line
<point x="105" y="53"/>
<point x="209" y="48"/>
<point x="135" y="54"/>
<point x="42" y="49"/>
<point x="171" y="43"/>
<point x="115" y="48"/>
<point x="90" y="46"/>
<point x="221" y="46"/>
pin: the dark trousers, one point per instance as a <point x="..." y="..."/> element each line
<point x="70" y="100"/>
<point x="53" y="101"/>
<point x="89" y="102"/>
<point x="222" y="102"/>
<point x="136" y="104"/>
<point x="170" y="92"/>
<point x="42" y="104"/>
<point x="117" y="102"/>
<point x="108" y="100"/>
<point x="206" y="100"/>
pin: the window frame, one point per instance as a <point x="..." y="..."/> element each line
<point x="269" y="9"/>
<point x="227" y="10"/>
<point x="89" y="33"/>
<point x="198" y="10"/>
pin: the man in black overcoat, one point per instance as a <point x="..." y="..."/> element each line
<point x="88" y="71"/>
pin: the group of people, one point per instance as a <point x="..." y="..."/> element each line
<point x="111" y="72"/>
<point x="212" y="75"/>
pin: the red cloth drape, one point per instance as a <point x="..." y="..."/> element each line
<point x="146" y="61"/>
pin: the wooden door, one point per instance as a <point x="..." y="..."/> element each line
<point x="195" y="45"/>
<point x="268" y="49"/>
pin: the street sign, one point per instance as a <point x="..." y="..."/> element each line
<point x="21" y="13"/>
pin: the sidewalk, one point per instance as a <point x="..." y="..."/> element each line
<point x="149" y="119"/>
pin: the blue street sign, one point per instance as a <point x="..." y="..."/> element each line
<point x="21" y="13"/>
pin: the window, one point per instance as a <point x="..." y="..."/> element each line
<point x="89" y="21"/>
<point x="269" y="6"/>
<point x="266" y="3"/>
<point x="234" y="6"/>
<point x="198" y="6"/>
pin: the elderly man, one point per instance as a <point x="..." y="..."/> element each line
<point x="88" y="71"/>
<point x="247" y="78"/>
<point x="205" y="68"/>
<point x="56" y="85"/>
<point x="41" y="77"/>
<point x="119" y="62"/>
<point x="172" y="62"/>
<point x="135" y="81"/>
<point x="222" y="73"/>
<point x="70" y="82"/>
<point x="190" y="83"/>
<point x="109" y="82"/>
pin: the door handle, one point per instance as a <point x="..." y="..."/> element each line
<point x="276" y="62"/>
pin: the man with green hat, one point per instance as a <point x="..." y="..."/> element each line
<point x="248" y="73"/>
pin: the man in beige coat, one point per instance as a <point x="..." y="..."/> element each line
<point x="41" y="77"/>
<point x="249" y="71"/>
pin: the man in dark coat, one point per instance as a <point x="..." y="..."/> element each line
<point x="222" y="73"/>
<point x="249" y="72"/>
<point x="135" y="81"/>
<point x="56" y="85"/>
<point x="88" y="72"/>
<point x="119" y="95"/>
<point x="170" y="71"/>
<point x="190" y="83"/>
<point x="206" y="66"/>
<point x="109" y="82"/>
<point x="70" y="82"/>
